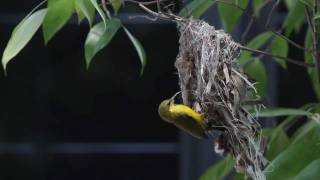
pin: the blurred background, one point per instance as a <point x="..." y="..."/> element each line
<point x="61" y="121"/>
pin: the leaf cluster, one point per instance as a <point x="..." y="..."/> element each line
<point x="56" y="15"/>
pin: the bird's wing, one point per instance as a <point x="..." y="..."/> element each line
<point x="191" y="126"/>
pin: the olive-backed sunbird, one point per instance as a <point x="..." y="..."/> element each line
<point x="184" y="118"/>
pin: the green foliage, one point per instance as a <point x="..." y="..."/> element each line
<point x="79" y="14"/>
<point x="308" y="3"/>
<point x="196" y="8"/>
<point x="309" y="59"/>
<point x="296" y="157"/>
<point x="279" y="47"/>
<point x="278" y="142"/>
<point x="86" y="8"/>
<point x="218" y="170"/>
<point x="59" y="12"/>
<point x="139" y="48"/>
<point x="22" y="34"/>
<point x="290" y="4"/>
<point x="275" y="112"/>
<point x="257" y="70"/>
<point x="100" y="11"/>
<point x="310" y="172"/>
<point x="99" y="37"/>
<point x="292" y="157"/>
<point x="256" y="6"/>
<point x="252" y="65"/>
<point x="317" y="16"/>
<point x="259" y="40"/>
<point x="116" y="4"/>
<point x="302" y="131"/>
<point x="230" y="12"/>
<point x="295" y="17"/>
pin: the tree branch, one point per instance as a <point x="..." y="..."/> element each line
<point x="246" y="31"/>
<point x="267" y="29"/>
<point x="146" y="3"/>
<point x="177" y="18"/>
<point x="271" y="12"/>
<point x="315" y="38"/>
<point x="293" y="61"/>
<point x="316" y="43"/>
<point x="290" y="41"/>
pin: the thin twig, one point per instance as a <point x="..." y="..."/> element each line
<point x="246" y="31"/>
<point x="177" y="18"/>
<point x="146" y="3"/>
<point x="104" y="6"/>
<point x="309" y="19"/>
<point x="166" y="16"/>
<point x="316" y="43"/>
<point x="267" y="29"/>
<point x="143" y="16"/>
<point x="252" y="19"/>
<point x="158" y="6"/>
<point x="313" y="33"/>
<point x="293" y="61"/>
<point x="290" y="41"/>
<point x="271" y="12"/>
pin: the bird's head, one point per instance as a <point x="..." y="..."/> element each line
<point x="163" y="110"/>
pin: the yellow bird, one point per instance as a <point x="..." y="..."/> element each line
<point x="184" y="118"/>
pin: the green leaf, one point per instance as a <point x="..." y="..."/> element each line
<point x="279" y="141"/>
<point x="87" y="9"/>
<point x="256" y="68"/>
<point x="309" y="59"/>
<point x="229" y="13"/>
<point x="295" y="18"/>
<point x="139" y="48"/>
<point x="79" y="14"/>
<point x="296" y="157"/>
<point x="290" y="4"/>
<point x="196" y="8"/>
<point x="276" y="112"/>
<point x="116" y="4"/>
<point x="279" y="47"/>
<point x="317" y="16"/>
<point x="238" y="176"/>
<point x="218" y="170"/>
<point x="256" y="6"/>
<point x="308" y="3"/>
<point x="267" y="131"/>
<point x="100" y="11"/>
<point x="22" y="34"/>
<point x="99" y="37"/>
<point x="59" y="12"/>
<point x="259" y="40"/>
<point x="312" y="171"/>
<point x="31" y="12"/>
<point x="302" y="131"/>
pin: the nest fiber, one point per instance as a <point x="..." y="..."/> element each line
<point x="213" y="83"/>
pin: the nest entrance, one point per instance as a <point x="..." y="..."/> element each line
<point x="213" y="83"/>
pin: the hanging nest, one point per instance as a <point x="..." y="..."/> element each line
<point x="213" y="83"/>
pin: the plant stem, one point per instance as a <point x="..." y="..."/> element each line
<point x="253" y="18"/>
<point x="316" y="43"/>
<point x="104" y="6"/>
<point x="293" y="61"/>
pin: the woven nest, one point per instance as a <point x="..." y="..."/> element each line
<point x="213" y="83"/>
